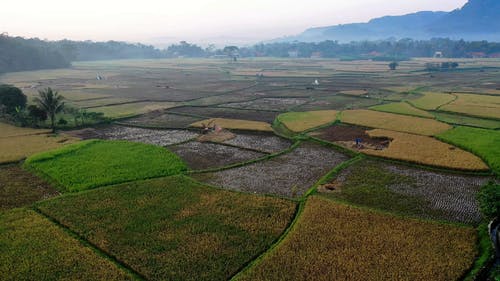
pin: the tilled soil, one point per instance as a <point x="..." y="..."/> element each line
<point x="150" y="136"/>
<point x="263" y="142"/>
<point x="290" y="175"/>
<point x="201" y="156"/>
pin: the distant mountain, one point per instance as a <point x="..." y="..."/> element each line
<point x="476" y="20"/>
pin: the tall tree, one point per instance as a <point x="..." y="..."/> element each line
<point x="50" y="102"/>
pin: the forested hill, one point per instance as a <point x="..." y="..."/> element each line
<point x="18" y="54"/>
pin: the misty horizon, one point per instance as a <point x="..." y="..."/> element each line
<point x="201" y="22"/>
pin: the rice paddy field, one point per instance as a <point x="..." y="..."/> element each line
<point x="341" y="242"/>
<point x="319" y="169"/>
<point x="395" y="122"/>
<point x="94" y="163"/>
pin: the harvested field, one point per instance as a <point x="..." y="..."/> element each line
<point x="355" y="92"/>
<point x="402" y="108"/>
<point x="425" y="150"/>
<point x="290" y="175"/>
<point x="395" y="122"/>
<point x="355" y="244"/>
<point x="200" y="155"/>
<point x="346" y="135"/>
<point x="338" y="102"/>
<point x="20" y="188"/>
<point x="277" y="104"/>
<point x="484" y="143"/>
<point x="33" y="248"/>
<point x="174" y="228"/>
<point x="229" y="113"/>
<point x="161" y="119"/>
<point x="19" y="147"/>
<point x="302" y="121"/>
<point x="235" y="124"/>
<point x="409" y="191"/>
<point x="432" y="101"/>
<point x="95" y="163"/>
<point x="131" y="109"/>
<point x="263" y="142"/>
<point x="133" y="134"/>
<point x="467" y="120"/>
<point x="475" y="105"/>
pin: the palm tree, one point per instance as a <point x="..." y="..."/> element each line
<point x="50" y="102"/>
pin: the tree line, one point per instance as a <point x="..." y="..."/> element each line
<point x="18" y="54"/>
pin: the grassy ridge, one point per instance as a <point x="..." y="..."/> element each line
<point x="485" y="143"/>
<point x="95" y="163"/>
<point x="35" y="249"/>
<point x="349" y="243"/>
<point x="174" y="228"/>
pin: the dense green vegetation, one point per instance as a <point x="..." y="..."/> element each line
<point x="95" y="163"/>
<point x="484" y="143"/>
<point x="174" y="228"/>
<point x="33" y="248"/>
<point x="489" y="200"/>
<point x="11" y="98"/>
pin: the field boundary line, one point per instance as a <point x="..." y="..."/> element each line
<point x="447" y="103"/>
<point x="96" y="249"/>
<point x="245" y="163"/>
<point x="254" y="262"/>
<point x="293" y="223"/>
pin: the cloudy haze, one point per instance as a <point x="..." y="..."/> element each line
<point x="218" y="21"/>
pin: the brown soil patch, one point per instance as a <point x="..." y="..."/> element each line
<point x="220" y="136"/>
<point x="346" y="135"/>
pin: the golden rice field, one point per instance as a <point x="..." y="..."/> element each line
<point x="8" y="130"/>
<point x="17" y="148"/>
<point x="431" y="100"/>
<point x="402" y="108"/>
<point x="425" y="150"/>
<point x="333" y="241"/>
<point x="34" y="248"/>
<point x="235" y="124"/>
<point x="302" y="121"/>
<point x="395" y="122"/>
<point x="476" y="105"/>
<point x="17" y="143"/>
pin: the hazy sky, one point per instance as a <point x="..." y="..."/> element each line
<point x="193" y="20"/>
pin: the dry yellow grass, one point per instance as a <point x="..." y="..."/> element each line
<point x="7" y="130"/>
<point x="395" y="122"/>
<point x="425" y="150"/>
<point x="332" y="241"/>
<point x="476" y="105"/>
<point x="431" y="101"/>
<point x="235" y="124"/>
<point x="301" y="121"/>
<point x="354" y="92"/>
<point x="17" y="148"/>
